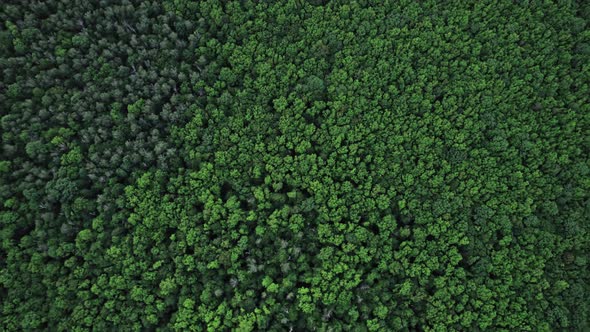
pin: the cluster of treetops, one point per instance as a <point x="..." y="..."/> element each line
<point x="294" y="165"/>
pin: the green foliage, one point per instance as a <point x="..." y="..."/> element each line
<point x="294" y="166"/>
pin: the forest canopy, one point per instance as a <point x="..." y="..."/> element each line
<point x="297" y="165"/>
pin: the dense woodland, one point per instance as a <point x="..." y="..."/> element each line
<point x="294" y="165"/>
